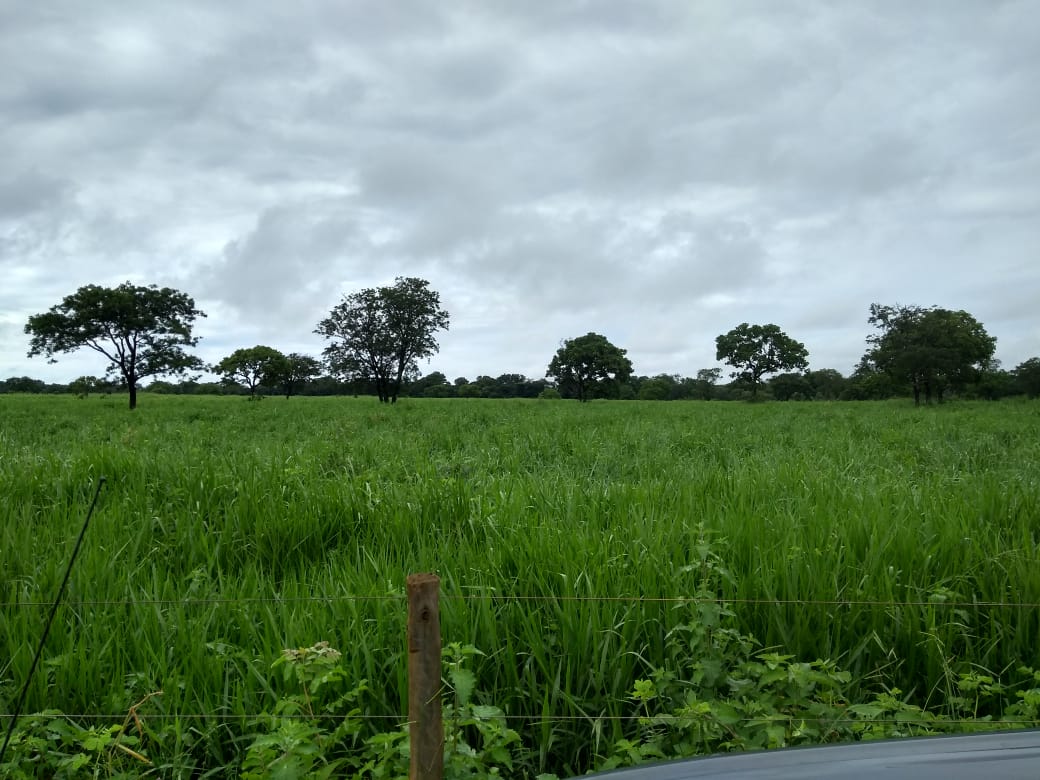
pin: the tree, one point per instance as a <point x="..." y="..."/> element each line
<point x="1027" y="377"/>
<point x="83" y="386"/>
<point x="296" y="371"/>
<point x="23" y="384"/>
<point x="380" y="333"/>
<point x="757" y="350"/>
<point x="791" y="387"/>
<point x="929" y="349"/>
<point x="827" y="384"/>
<point x="252" y="367"/>
<point x="658" y="388"/>
<point x="141" y="330"/>
<point x="704" y="384"/>
<point x="589" y="364"/>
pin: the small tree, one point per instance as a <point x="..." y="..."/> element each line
<point x="83" y="386"/>
<point x="296" y="371"/>
<point x="588" y="364"/>
<point x="252" y="367"/>
<point x="380" y="333"/>
<point x="141" y="330"/>
<point x="758" y="350"/>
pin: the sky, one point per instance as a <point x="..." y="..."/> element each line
<point x="655" y="171"/>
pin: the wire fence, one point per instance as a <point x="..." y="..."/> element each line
<point x="939" y="603"/>
<point x="401" y="719"/>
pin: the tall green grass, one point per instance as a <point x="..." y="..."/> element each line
<point x="230" y="530"/>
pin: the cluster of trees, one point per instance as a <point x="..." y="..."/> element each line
<point x="377" y="336"/>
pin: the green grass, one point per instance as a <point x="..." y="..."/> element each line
<point x="520" y="507"/>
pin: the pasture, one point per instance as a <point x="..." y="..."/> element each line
<point x="900" y="543"/>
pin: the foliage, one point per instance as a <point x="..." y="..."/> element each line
<point x="141" y="330"/>
<point x="380" y="333"/>
<point x="1027" y="376"/>
<point x="705" y="382"/>
<point x="930" y="349"/>
<point x="719" y="691"/>
<point x="758" y="350"/>
<point x="791" y="387"/>
<point x="827" y="384"/>
<point x="317" y="733"/>
<point x="253" y="367"/>
<point x="83" y="386"/>
<point x="588" y="366"/>
<point x="204" y="560"/>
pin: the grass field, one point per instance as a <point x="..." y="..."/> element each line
<point x="221" y="518"/>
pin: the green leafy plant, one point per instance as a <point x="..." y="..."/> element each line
<point x="308" y="731"/>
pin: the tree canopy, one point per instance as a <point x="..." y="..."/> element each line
<point x="142" y="331"/>
<point x="758" y="350"/>
<point x="589" y="365"/>
<point x="1027" y="376"/>
<point x="380" y="333"/>
<point x="252" y="367"/>
<point x="296" y="371"/>
<point x="929" y="349"/>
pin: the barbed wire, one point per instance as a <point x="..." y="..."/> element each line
<point x="664" y="718"/>
<point x="548" y="598"/>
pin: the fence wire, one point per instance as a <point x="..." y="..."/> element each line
<point x="502" y="597"/>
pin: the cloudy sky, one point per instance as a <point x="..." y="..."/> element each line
<point x="654" y="171"/>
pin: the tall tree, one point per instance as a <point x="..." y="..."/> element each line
<point x="929" y="349"/>
<point x="758" y="350"/>
<point x="252" y="367"/>
<point x="588" y="364"/>
<point x="380" y="333"/>
<point x="141" y="330"/>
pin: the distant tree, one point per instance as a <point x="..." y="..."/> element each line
<point x="295" y="372"/>
<point x="1027" y="377"/>
<point x="930" y="349"/>
<point x="421" y="385"/>
<point x="380" y="333"/>
<point x="23" y="384"/>
<point x="252" y="367"/>
<point x="440" y="391"/>
<point x="704" y="384"/>
<point x="791" y="387"/>
<point x="758" y="350"/>
<point x="994" y="382"/>
<point x="658" y="388"/>
<point x="141" y="330"/>
<point x="84" y="386"/>
<point x="589" y="364"/>
<point x="827" y="384"/>
<point x="869" y="383"/>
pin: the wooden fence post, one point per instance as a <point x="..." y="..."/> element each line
<point x="426" y="728"/>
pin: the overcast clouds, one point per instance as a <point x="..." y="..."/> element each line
<point x="656" y="172"/>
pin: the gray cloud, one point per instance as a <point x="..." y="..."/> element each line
<point x="656" y="171"/>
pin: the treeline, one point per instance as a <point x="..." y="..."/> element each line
<point x="827" y="384"/>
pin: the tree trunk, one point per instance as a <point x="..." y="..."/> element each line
<point x="132" y="385"/>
